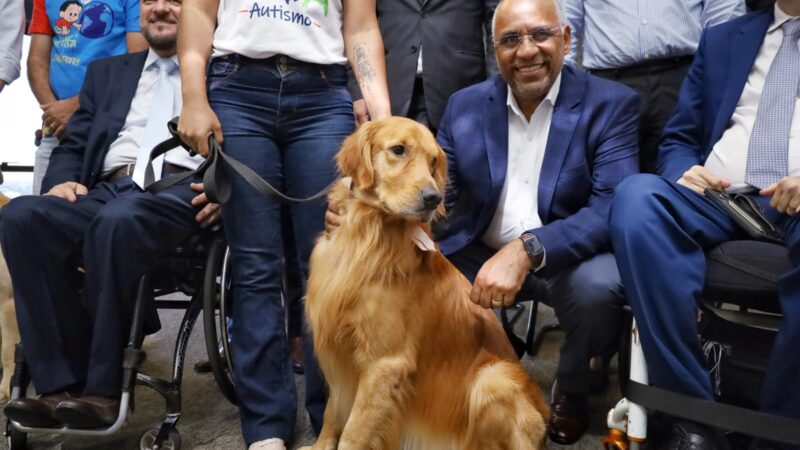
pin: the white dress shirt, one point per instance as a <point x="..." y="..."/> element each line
<point x="518" y="208"/>
<point x="125" y="147"/>
<point x="728" y="159"/>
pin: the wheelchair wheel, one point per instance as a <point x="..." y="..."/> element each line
<point x="148" y="440"/>
<point x="216" y="315"/>
<point x="15" y="439"/>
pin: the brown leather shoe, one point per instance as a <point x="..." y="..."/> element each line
<point x="89" y="411"/>
<point x="36" y="412"/>
<point x="569" y="416"/>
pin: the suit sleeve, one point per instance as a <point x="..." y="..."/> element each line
<point x="682" y="142"/>
<point x="445" y="140"/>
<point x="585" y="233"/>
<point x="488" y="17"/>
<point x="66" y="161"/>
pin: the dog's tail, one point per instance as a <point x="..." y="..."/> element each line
<point x="506" y="411"/>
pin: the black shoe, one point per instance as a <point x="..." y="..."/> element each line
<point x="569" y="416"/>
<point x="89" y="411"/>
<point x="693" y="436"/>
<point x="36" y="412"/>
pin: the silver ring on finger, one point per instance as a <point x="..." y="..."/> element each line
<point x="496" y="303"/>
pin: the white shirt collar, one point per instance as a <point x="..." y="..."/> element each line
<point x="780" y="18"/>
<point x="152" y="57"/>
<point x="550" y="98"/>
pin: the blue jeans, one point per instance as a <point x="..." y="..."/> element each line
<point x="285" y="119"/>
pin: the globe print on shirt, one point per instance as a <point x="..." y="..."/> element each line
<point x="97" y="20"/>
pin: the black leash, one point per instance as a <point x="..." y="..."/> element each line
<point x="217" y="170"/>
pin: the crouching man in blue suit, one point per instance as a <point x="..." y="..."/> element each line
<point x="534" y="156"/>
<point x="732" y="130"/>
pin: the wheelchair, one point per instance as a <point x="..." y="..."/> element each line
<point x="199" y="269"/>
<point x="740" y="296"/>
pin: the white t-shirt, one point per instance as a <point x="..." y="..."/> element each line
<point x="306" y="30"/>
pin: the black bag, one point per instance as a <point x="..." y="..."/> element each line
<point x="737" y="356"/>
<point x="738" y="343"/>
<point x="747" y="214"/>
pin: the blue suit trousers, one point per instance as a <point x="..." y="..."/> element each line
<point x="660" y="233"/>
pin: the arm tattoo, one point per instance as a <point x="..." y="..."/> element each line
<point x="365" y="71"/>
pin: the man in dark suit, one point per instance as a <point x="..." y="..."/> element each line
<point x="433" y="48"/>
<point x="732" y="130"/>
<point x="94" y="216"/>
<point x="534" y="157"/>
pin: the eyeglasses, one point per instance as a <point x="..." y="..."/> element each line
<point x="538" y="35"/>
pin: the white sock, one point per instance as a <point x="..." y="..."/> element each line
<point x="268" y="444"/>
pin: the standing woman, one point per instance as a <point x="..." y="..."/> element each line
<point x="275" y="89"/>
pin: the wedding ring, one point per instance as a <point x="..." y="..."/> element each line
<point x="496" y="303"/>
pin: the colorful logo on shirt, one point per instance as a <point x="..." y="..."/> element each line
<point x="287" y="14"/>
<point x="69" y="12"/>
<point x="93" y="20"/>
<point x="97" y="20"/>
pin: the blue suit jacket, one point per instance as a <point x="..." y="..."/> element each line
<point x="592" y="146"/>
<point x="105" y="98"/>
<point x="710" y="91"/>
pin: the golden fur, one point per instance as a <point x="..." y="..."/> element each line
<point x="8" y="323"/>
<point x="410" y="361"/>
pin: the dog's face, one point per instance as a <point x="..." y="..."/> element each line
<point x="397" y="163"/>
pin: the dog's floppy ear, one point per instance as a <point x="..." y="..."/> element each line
<point x="355" y="157"/>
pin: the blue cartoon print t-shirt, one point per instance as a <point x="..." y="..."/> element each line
<point x="82" y="32"/>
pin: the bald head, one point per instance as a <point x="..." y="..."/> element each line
<point x="553" y="3"/>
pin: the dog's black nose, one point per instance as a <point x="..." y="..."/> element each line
<point x="431" y="197"/>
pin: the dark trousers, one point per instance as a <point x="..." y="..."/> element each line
<point x="587" y="299"/>
<point x="657" y="84"/>
<point x="285" y="120"/>
<point x="660" y="231"/>
<point x="115" y="233"/>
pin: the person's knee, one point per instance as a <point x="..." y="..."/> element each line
<point x="123" y="218"/>
<point x="596" y="297"/>
<point x="17" y="217"/>
<point x="632" y="197"/>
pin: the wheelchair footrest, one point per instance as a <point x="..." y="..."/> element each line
<point x="720" y="415"/>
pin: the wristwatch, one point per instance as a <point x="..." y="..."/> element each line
<point x="534" y="249"/>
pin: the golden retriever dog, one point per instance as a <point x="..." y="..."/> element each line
<point x="9" y="332"/>
<point x="411" y="363"/>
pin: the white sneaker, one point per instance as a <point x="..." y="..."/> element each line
<point x="268" y="444"/>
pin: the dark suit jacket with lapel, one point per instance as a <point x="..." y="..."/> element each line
<point x="105" y="98"/>
<point x="710" y="91"/>
<point x="592" y="145"/>
<point x="451" y="33"/>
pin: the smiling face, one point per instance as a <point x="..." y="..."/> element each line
<point x="397" y="164"/>
<point x="530" y="68"/>
<point x="159" y="23"/>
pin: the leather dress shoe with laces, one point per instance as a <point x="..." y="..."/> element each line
<point x="569" y="416"/>
<point x="692" y="436"/>
<point x="36" y="412"/>
<point x="89" y="411"/>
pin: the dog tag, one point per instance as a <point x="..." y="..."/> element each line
<point x="423" y="241"/>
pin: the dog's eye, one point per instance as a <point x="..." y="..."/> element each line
<point x="434" y="162"/>
<point x="398" y="150"/>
